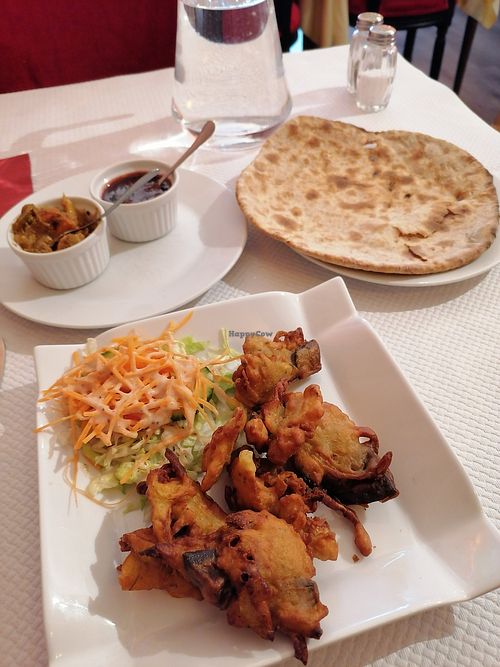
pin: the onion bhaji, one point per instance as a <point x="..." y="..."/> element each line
<point x="271" y="573"/>
<point x="291" y="419"/>
<point x="217" y="452"/>
<point x="283" y="494"/>
<point x="265" y="363"/>
<point x="257" y="561"/>
<point x="348" y="469"/>
<point x="253" y="564"/>
<point x="178" y="508"/>
<point x="338" y="459"/>
<point x="178" y="505"/>
<point x="323" y="444"/>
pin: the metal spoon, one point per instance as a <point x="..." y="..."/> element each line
<point x="206" y="132"/>
<point x="130" y="191"/>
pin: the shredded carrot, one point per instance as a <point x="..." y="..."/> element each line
<point x="175" y="326"/>
<point x="131" y="389"/>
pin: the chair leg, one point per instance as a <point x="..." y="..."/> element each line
<point x="470" y="31"/>
<point x="409" y="43"/>
<point x="308" y="44"/>
<point x="437" y="54"/>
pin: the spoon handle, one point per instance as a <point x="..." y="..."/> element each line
<point x="130" y="191"/>
<point x="206" y="132"/>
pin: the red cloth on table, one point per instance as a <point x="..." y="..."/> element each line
<point x="401" y="7"/>
<point x="15" y="180"/>
<point x="55" y="42"/>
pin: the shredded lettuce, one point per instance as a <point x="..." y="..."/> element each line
<point x="116" y="466"/>
<point x="192" y="346"/>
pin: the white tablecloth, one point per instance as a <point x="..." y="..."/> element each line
<point x="444" y="338"/>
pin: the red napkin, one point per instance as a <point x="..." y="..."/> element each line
<point x="15" y="180"/>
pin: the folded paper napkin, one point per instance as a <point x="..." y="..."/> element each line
<point x="15" y="180"/>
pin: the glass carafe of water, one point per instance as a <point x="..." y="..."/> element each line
<point x="229" y="68"/>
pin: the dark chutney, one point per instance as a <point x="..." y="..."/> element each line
<point x="116" y="188"/>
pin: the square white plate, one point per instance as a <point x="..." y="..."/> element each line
<point x="433" y="545"/>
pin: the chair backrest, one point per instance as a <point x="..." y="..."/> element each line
<point x="55" y="42"/>
<point x="411" y="15"/>
<point x="398" y="8"/>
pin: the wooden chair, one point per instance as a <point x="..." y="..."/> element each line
<point x="410" y="16"/>
<point x="288" y="20"/>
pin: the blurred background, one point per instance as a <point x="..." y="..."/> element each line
<point x="54" y="42"/>
<point x="457" y="29"/>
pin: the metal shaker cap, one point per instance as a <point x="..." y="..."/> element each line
<point x="382" y="34"/>
<point x="367" y="19"/>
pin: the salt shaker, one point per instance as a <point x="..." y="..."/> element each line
<point x="377" y="68"/>
<point x="363" y="24"/>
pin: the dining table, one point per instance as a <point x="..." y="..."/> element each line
<point x="444" y="336"/>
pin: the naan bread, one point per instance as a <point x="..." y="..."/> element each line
<point x="392" y="202"/>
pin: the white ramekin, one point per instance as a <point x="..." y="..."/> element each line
<point x="74" y="266"/>
<point x="143" y="221"/>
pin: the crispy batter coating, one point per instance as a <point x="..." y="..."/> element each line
<point x="253" y="564"/>
<point x="285" y="495"/>
<point x="265" y="363"/>
<point x="291" y="419"/>
<point x="143" y="573"/>
<point x="361" y="538"/>
<point x="271" y="572"/>
<point x="335" y="458"/>
<point x="218" y="451"/>
<point x="183" y="519"/>
<point x="248" y="490"/>
<point x="256" y="432"/>
<point x="314" y="530"/>
<point x="324" y="445"/>
<point x="178" y="505"/>
<point x="138" y="540"/>
<point x="139" y="572"/>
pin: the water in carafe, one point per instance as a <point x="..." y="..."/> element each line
<point x="229" y="68"/>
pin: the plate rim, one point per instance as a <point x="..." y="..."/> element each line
<point x="405" y="281"/>
<point x="450" y="277"/>
<point x="112" y="322"/>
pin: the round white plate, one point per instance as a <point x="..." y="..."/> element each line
<point x="142" y="279"/>
<point x="481" y="265"/>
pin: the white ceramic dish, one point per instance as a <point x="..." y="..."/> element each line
<point x="144" y="221"/>
<point x="433" y="544"/>
<point x="74" y="266"/>
<point x="141" y="279"/>
<point x="482" y="264"/>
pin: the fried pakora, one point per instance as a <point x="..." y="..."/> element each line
<point x="253" y="564"/>
<point x="291" y="419"/>
<point x="265" y="363"/>
<point x="336" y="459"/>
<point x="271" y="572"/>
<point x="283" y="494"/>
<point x="322" y="443"/>
<point x="178" y="505"/>
<point x="140" y="572"/>
<point x="256" y="562"/>
<point x="217" y="452"/>
<point x="178" y="508"/>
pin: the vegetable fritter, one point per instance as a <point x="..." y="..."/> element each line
<point x="265" y="363"/>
